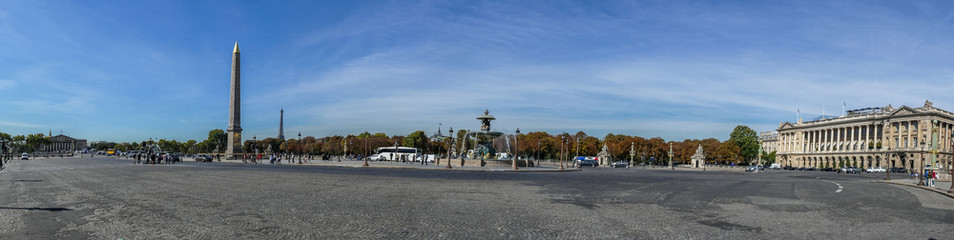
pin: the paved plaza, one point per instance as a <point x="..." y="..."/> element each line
<point x="110" y="198"/>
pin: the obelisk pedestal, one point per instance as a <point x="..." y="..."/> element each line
<point x="234" y="147"/>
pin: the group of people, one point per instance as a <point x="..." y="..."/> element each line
<point x="272" y="159"/>
<point x="153" y="158"/>
<point x="929" y="176"/>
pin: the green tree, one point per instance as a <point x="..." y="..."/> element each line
<point x="218" y="138"/>
<point x="747" y="140"/>
<point x="727" y="152"/>
<point x="768" y="158"/>
<point x="417" y="139"/>
<point x="364" y="135"/>
<point x="36" y="140"/>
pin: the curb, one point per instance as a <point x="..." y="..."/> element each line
<point x="942" y="192"/>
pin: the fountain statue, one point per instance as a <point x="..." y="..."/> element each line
<point x="484" y="138"/>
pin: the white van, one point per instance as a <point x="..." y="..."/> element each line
<point x="24" y="156"/>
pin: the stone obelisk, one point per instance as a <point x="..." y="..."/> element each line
<point x="281" y="124"/>
<point x="234" y="148"/>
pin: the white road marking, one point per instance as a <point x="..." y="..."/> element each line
<point x="839" y="186"/>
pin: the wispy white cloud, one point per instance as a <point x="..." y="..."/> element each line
<point x="20" y="124"/>
<point x="672" y="69"/>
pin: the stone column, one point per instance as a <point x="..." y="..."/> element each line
<point x="234" y="146"/>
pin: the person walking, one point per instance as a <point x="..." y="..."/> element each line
<point x="932" y="176"/>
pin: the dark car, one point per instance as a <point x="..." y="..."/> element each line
<point x="174" y="157"/>
<point x="203" y="158"/>
<point x="898" y="170"/>
<point x="620" y="164"/>
<point x="587" y="162"/>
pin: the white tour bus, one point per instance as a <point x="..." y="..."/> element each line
<point x="392" y="153"/>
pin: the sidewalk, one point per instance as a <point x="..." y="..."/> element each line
<point x="939" y="186"/>
<point x="397" y="165"/>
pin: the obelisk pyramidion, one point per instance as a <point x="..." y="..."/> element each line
<point x="234" y="148"/>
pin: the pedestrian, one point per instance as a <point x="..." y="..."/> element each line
<point x="932" y="176"/>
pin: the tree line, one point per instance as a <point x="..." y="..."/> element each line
<point x="740" y="148"/>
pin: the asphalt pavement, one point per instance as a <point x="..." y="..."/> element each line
<point x="109" y="198"/>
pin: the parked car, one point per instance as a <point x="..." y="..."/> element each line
<point x="587" y="162"/>
<point x="850" y="170"/>
<point x="203" y="158"/>
<point x="875" y="170"/>
<point x="377" y="157"/>
<point x="24" y="156"/>
<point x="620" y="164"/>
<point x="174" y="157"/>
<point x="898" y="170"/>
<point x="755" y="168"/>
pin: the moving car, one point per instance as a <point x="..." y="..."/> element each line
<point x="620" y="164"/>
<point x="755" y="168"/>
<point x="587" y="162"/>
<point x="876" y="170"/>
<point x="24" y="156"/>
<point x="203" y="158"/>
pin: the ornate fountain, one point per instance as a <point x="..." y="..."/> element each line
<point x="483" y="138"/>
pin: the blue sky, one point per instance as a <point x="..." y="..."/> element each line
<point x="131" y="70"/>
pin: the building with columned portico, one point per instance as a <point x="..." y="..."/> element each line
<point x="63" y="144"/>
<point x="870" y="137"/>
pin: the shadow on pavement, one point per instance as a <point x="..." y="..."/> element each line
<point x="55" y="209"/>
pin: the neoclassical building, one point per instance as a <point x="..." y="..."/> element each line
<point x="870" y="137"/>
<point x="63" y="144"/>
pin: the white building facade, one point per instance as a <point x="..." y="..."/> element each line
<point x="871" y="137"/>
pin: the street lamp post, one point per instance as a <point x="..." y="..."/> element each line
<point x="299" y="148"/>
<point x="670" y="157"/>
<point x="562" y="147"/>
<point x="950" y="169"/>
<point x="515" y="140"/>
<point x="577" y="151"/>
<point x="393" y="154"/>
<point x="921" y="172"/>
<point x="632" y="153"/>
<point x="887" y="172"/>
<point x="450" y="150"/>
<point x="366" y="149"/>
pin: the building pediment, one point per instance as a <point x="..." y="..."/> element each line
<point x="61" y="138"/>
<point x="903" y="110"/>
<point x="785" y="125"/>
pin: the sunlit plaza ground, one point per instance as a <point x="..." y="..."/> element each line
<point x="110" y="198"/>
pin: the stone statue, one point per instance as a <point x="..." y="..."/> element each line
<point x="604" y="156"/>
<point x="698" y="159"/>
